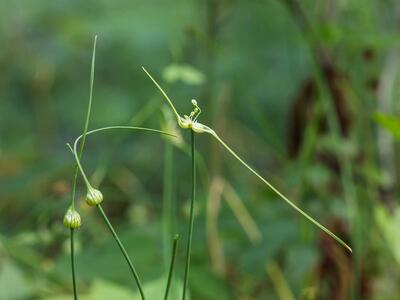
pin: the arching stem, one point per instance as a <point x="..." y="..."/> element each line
<point x="103" y="214"/>
<point x="298" y="209"/>
<point x="73" y="150"/>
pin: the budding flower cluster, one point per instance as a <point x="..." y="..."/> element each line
<point x="72" y="219"/>
<point x="191" y="120"/>
<point x="94" y="197"/>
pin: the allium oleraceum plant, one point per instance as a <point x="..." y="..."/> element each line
<point x="94" y="197"/>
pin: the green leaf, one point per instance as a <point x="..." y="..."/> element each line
<point x="105" y="290"/>
<point x="12" y="284"/>
<point x="389" y="225"/>
<point x="155" y="289"/>
<point x="102" y="290"/>
<point x="389" y="122"/>
<point x="185" y="73"/>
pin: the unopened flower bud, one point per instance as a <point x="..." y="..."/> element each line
<point x="184" y="122"/>
<point x="94" y="197"/>
<point x="194" y="102"/>
<point x="200" y="128"/>
<point x="72" y="219"/>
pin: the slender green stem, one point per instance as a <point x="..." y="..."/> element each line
<point x="191" y="222"/>
<point x="164" y="94"/>
<point x="307" y="216"/>
<point x="201" y="128"/>
<point x="73" y="191"/>
<point x="122" y="248"/>
<point x="167" y="217"/>
<point x="73" y="264"/>
<point x="74" y="151"/>
<point x="171" y="266"/>
<point x="85" y="128"/>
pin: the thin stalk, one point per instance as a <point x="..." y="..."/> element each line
<point x="124" y="253"/>
<point x="73" y="191"/>
<point x="85" y="129"/>
<point x="307" y="216"/>
<point x="167" y="202"/>
<point x="171" y="266"/>
<point x="190" y="230"/>
<point x="201" y="128"/>
<point x="74" y="151"/>
<point x="164" y="94"/>
<point x="73" y="264"/>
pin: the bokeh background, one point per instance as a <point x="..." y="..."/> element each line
<point x="306" y="91"/>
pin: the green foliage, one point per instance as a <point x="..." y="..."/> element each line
<point x="388" y="225"/>
<point x="389" y="122"/>
<point x="249" y="64"/>
<point x="13" y="285"/>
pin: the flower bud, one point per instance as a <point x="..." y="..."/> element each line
<point x="72" y="219"/>
<point x="94" y="197"/>
<point x="194" y="102"/>
<point x="200" y="128"/>
<point x="184" y="122"/>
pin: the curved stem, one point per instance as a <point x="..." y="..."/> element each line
<point x="171" y="267"/>
<point x="320" y="226"/>
<point x="103" y="129"/>
<point x="191" y="222"/>
<point x="73" y="264"/>
<point x="79" y="167"/>
<point x="124" y="253"/>
<point x="74" y="151"/>
<point x="204" y="128"/>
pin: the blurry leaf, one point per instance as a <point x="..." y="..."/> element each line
<point x="276" y="235"/>
<point x="105" y="290"/>
<point x="206" y="285"/>
<point x="330" y="33"/>
<point x="12" y="284"/>
<point x="61" y="297"/>
<point x="377" y="175"/>
<point x="155" y="289"/>
<point x="169" y="125"/>
<point x="337" y="145"/>
<point x="141" y="244"/>
<point x="390" y="123"/>
<point x="389" y="225"/>
<point x="299" y="264"/>
<point x="185" y="73"/>
<point x="317" y="175"/>
<point x="102" y="290"/>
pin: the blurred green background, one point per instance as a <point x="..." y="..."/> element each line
<point x="306" y="91"/>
